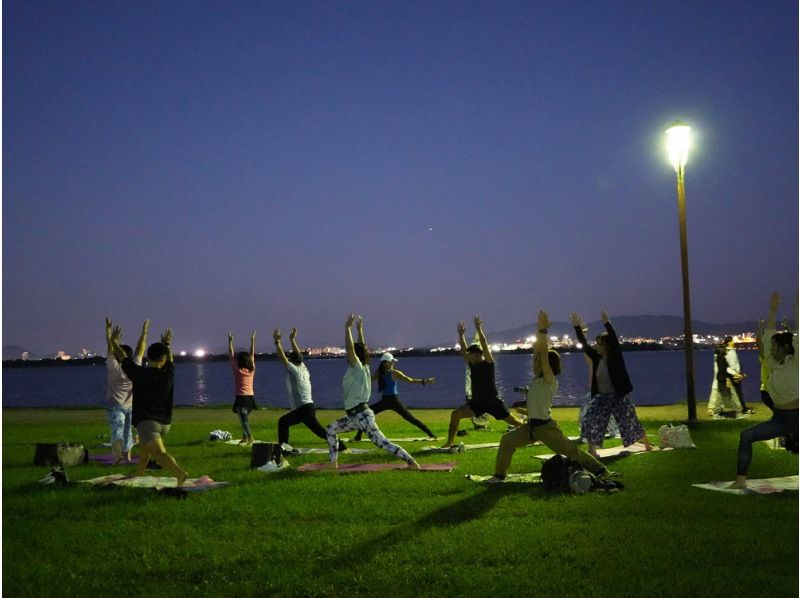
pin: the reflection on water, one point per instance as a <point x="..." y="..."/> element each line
<point x="200" y="393"/>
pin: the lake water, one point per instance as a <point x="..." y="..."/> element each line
<point x="658" y="379"/>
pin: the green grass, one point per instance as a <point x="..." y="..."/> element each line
<point x="393" y="533"/>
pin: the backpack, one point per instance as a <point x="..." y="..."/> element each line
<point x="264" y="452"/>
<point x="561" y="474"/>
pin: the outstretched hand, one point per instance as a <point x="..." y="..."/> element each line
<point x="360" y="321"/>
<point x="350" y="319"/>
<point x="543" y="321"/>
<point x="166" y="338"/>
<point x="575" y="319"/>
<point x="293" y="334"/>
<point x="478" y="322"/>
<point x="774" y="301"/>
<point x="108" y="328"/>
<point x="145" y="326"/>
<point x="116" y="335"/>
<point x="276" y="335"/>
<point x="461" y="327"/>
<point x="230" y="338"/>
<point x="604" y="316"/>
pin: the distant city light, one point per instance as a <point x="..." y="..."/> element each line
<point x="495" y="348"/>
<point x="200" y="353"/>
<point x="578" y="346"/>
<point x="183" y="353"/>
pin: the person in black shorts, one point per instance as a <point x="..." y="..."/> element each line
<point x="484" y="392"/>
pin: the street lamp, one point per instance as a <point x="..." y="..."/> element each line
<point x="678" y="141"/>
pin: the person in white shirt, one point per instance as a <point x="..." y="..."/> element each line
<point x="298" y="387"/>
<point x="781" y="368"/>
<point x="541" y="426"/>
<point x="357" y="387"/>
<point x="119" y="395"/>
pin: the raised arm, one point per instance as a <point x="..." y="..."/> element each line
<point x="360" y="326"/>
<point x="760" y="333"/>
<point x="142" y="344"/>
<point x="276" y="336"/>
<point x="166" y="339"/>
<point x="113" y="341"/>
<point x="462" y="341"/>
<point x="609" y="328"/>
<point x="577" y="324"/>
<point x="230" y="346"/>
<point x="109" y="346"/>
<point x="398" y="375"/>
<point x="487" y="353"/>
<point x="253" y="347"/>
<point x="352" y="358"/>
<point x="772" y="315"/>
<point x="295" y="347"/>
<point x="540" y="347"/>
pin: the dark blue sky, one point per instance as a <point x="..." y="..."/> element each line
<point x="219" y="166"/>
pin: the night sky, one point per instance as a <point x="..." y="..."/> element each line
<point x="222" y="166"/>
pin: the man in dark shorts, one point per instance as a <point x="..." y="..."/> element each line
<point x="484" y="392"/>
<point x="152" y="402"/>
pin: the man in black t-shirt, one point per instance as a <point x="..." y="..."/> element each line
<point x="484" y="391"/>
<point x="152" y="402"/>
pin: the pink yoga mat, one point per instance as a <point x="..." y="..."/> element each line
<point x="368" y="467"/>
<point x="108" y="459"/>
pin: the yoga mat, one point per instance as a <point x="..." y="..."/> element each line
<point x="523" y="478"/>
<point x="192" y="484"/>
<point x="765" y="486"/>
<point x="369" y="467"/>
<point x="455" y="449"/>
<point x="236" y="442"/>
<point x="421" y="439"/>
<point x="108" y="459"/>
<point x="324" y="451"/>
<point x="617" y="451"/>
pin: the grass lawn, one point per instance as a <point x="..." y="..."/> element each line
<point x="396" y="533"/>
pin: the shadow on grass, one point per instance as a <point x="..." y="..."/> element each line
<point x="465" y="510"/>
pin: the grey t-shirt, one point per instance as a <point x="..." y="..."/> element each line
<point x="298" y="384"/>
<point x="604" y="384"/>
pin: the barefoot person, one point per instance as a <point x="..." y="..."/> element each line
<point x="387" y="376"/>
<point x="541" y="426"/>
<point x="485" y="398"/>
<point x="298" y="385"/>
<point x="356" y="385"/>
<point x="152" y="401"/>
<point x="244" y="372"/>
<point x="611" y="386"/>
<point x="780" y="360"/>
<point x="119" y="395"/>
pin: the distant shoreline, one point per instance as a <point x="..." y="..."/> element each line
<point x="95" y="361"/>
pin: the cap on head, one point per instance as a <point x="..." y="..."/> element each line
<point x="387" y="357"/>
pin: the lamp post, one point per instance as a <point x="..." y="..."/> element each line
<point x="678" y="137"/>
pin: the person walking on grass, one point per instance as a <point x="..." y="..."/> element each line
<point x="244" y="372"/>
<point x="723" y="402"/>
<point x="780" y="360"/>
<point x="298" y="386"/>
<point x="119" y="395"/>
<point x="356" y="386"/>
<point x="611" y="386"/>
<point x="387" y="376"/>
<point x="541" y="426"/>
<point x="152" y="400"/>
<point x="485" y="398"/>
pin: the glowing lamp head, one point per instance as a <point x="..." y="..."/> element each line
<point x="200" y="353"/>
<point x="678" y="141"/>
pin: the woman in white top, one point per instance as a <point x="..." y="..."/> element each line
<point x="357" y="387"/>
<point x="541" y="426"/>
<point x="780" y="366"/>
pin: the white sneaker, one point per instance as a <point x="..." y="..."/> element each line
<point x="288" y="448"/>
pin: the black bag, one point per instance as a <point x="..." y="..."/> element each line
<point x="264" y="452"/>
<point x="555" y="473"/>
<point x="65" y="454"/>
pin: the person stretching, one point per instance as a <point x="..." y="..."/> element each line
<point x="387" y="376"/>
<point x="610" y="389"/>
<point x="244" y="371"/>
<point x="356" y="386"/>
<point x="781" y="384"/>
<point x="119" y="395"/>
<point x="541" y="426"/>
<point x="484" y="391"/>
<point x="298" y="385"/>
<point x="152" y="401"/>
